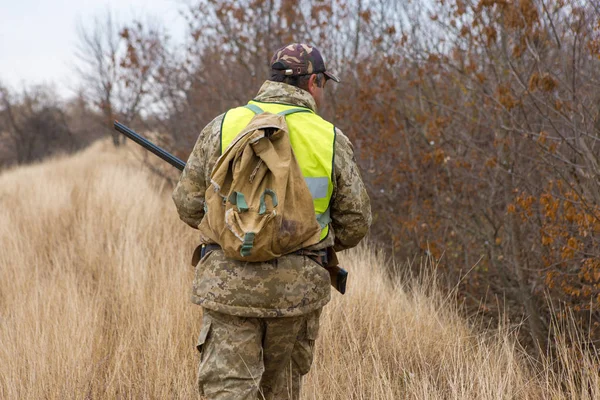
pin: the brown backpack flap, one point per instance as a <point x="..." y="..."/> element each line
<point x="258" y="206"/>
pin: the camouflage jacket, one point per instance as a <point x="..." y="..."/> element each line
<point x="291" y="285"/>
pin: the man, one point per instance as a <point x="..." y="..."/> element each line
<point x="260" y="320"/>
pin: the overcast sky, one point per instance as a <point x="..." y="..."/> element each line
<point x="38" y="37"/>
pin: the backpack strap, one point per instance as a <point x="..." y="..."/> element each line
<point x="238" y="199"/>
<point x="248" y="244"/>
<point x="263" y="206"/>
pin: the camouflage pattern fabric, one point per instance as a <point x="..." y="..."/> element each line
<point x="255" y="358"/>
<point x="291" y="285"/>
<point x="299" y="59"/>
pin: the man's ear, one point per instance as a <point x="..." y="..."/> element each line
<point x="312" y="83"/>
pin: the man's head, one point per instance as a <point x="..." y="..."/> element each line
<point x="303" y="66"/>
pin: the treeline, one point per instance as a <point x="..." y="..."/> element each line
<point x="476" y="124"/>
<point x="34" y="124"/>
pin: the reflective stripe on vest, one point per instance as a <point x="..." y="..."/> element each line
<point x="313" y="142"/>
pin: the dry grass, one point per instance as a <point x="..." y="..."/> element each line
<point x="94" y="288"/>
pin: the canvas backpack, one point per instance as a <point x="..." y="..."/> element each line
<point x="258" y="206"/>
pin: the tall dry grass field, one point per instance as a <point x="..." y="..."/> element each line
<point x="94" y="288"/>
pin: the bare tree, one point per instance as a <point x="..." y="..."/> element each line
<point x="97" y="53"/>
<point x="116" y="65"/>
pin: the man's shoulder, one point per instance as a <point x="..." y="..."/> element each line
<point x="210" y="134"/>
<point x="342" y="142"/>
<point x="214" y="125"/>
<point x="206" y="142"/>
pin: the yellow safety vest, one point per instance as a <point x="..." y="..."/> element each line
<point x="313" y="141"/>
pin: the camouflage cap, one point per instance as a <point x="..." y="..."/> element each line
<point x="299" y="59"/>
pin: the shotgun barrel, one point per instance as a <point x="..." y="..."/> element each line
<point x="145" y="143"/>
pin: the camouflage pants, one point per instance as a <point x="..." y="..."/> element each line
<point x="255" y="358"/>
